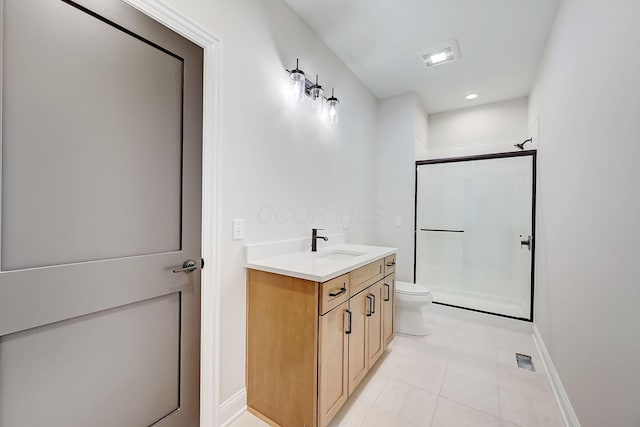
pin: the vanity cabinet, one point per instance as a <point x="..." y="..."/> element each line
<point x="375" y="341"/>
<point x="388" y="307"/>
<point x="333" y="363"/>
<point x="389" y="264"/>
<point x="358" y="340"/>
<point x="310" y="344"/>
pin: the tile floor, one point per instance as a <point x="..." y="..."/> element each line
<point x="463" y="374"/>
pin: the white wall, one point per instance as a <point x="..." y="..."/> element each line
<point x="281" y="169"/>
<point x="422" y="131"/>
<point x="587" y="96"/>
<point x="397" y="132"/>
<point x="488" y="128"/>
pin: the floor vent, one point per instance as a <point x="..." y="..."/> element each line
<point x="525" y="362"/>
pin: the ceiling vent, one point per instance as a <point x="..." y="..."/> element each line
<point x="438" y="55"/>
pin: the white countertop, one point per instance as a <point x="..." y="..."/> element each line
<point x="327" y="263"/>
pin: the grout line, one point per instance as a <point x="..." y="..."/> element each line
<point x="473" y="409"/>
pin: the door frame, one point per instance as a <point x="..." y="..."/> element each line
<point x="210" y="279"/>
<point x="533" y="154"/>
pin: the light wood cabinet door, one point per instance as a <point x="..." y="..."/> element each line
<point x="358" y="350"/>
<point x="333" y="362"/>
<point x="374" y="322"/>
<point x="388" y="307"/>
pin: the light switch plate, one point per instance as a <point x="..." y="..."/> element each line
<point x="237" y="229"/>
<point x="398" y="221"/>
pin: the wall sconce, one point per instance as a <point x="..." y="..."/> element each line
<point x="302" y="87"/>
<point x="316" y="93"/>
<point x="299" y="83"/>
<point x="332" y="106"/>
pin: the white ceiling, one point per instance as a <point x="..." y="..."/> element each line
<point x="501" y="42"/>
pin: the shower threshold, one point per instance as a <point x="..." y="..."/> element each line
<point x="507" y="309"/>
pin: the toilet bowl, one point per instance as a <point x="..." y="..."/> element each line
<point x="411" y="303"/>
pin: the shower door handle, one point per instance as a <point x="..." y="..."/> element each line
<point x="528" y="243"/>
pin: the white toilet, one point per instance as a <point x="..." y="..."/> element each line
<point x="411" y="302"/>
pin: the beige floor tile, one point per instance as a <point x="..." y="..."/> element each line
<point x="440" y="335"/>
<point x="517" y="342"/>
<point x="442" y="320"/>
<point x="420" y="406"/>
<point x="504" y="423"/>
<point x="524" y="382"/>
<point x="422" y="375"/>
<point x="392" y="396"/>
<point x="410" y="403"/>
<point x="470" y="392"/>
<point x="473" y="367"/>
<point x="451" y="414"/>
<point x="386" y="364"/>
<point x="479" y="331"/>
<point x="529" y="412"/>
<point x="416" y="349"/>
<point x="380" y="418"/>
<point x="482" y="346"/>
<point x="370" y="388"/>
<point x="247" y="419"/>
<point x="352" y="414"/>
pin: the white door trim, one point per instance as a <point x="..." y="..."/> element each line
<point x="210" y="312"/>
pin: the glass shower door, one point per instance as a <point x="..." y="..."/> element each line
<point x="474" y="219"/>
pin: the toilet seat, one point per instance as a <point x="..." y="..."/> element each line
<point x="406" y="288"/>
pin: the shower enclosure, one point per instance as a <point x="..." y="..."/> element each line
<point x="475" y="222"/>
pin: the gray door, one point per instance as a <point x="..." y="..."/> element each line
<point x="101" y="198"/>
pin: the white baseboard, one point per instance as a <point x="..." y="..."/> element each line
<point x="568" y="414"/>
<point x="233" y="407"/>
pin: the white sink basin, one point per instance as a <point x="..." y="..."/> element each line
<point x="338" y="254"/>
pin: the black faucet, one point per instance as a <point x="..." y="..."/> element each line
<point x="314" y="239"/>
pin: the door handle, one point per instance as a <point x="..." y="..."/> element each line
<point x="391" y="264"/>
<point x="370" y="307"/>
<point x="528" y="243"/>
<point x="388" y="297"/>
<point x="373" y="309"/>
<point x="340" y="292"/>
<point x="349" y="328"/>
<point x="187" y="267"/>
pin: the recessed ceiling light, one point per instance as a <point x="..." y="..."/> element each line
<point x="438" y="57"/>
<point x="441" y="54"/>
<point x="471" y="96"/>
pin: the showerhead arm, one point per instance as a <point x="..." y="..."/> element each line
<point x="521" y="145"/>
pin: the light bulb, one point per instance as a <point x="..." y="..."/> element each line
<point x="332" y="107"/>
<point x="298" y="87"/>
<point x="316" y="93"/>
<point x="297" y="90"/>
<point x="438" y="57"/>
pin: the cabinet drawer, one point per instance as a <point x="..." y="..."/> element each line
<point x="367" y="275"/>
<point x="389" y="264"/>
<point x="333" y="293"/>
